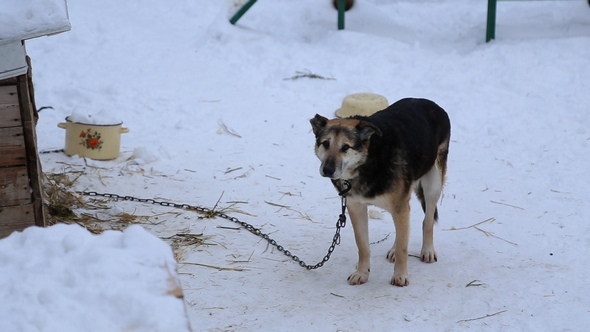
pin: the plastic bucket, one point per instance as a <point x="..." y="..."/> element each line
<point x="94" y="141"/>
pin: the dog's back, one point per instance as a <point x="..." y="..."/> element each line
<point x="413" y="132"/>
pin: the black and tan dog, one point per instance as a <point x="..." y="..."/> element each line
<point x="385" y="157"/>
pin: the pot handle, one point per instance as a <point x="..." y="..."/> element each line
<point x="62" y="125"/>
<point x="124" y="130"/>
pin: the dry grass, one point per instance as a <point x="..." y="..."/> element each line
<point x="307" y="74"/>
<point x="64" y="205"/>
<point x="487" y="233"/>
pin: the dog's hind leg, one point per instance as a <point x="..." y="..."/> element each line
<point x="360" y="223"/>
<point x="428" y="190"/>
<point x="420" y="194"/>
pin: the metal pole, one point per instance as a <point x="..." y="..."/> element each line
<point x="242" y="11"/>
<point x="491" y="23"/>
<point x="341" y="10"/>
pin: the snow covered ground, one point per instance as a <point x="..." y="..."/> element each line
<point x="65" y="279"/>
<point x="213" y="114"/>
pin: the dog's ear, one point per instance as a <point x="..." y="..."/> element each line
<point x="318" y="123"/>
<point x="367" y="129"/>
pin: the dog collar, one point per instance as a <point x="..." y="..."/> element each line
<point x="347" y="187"/>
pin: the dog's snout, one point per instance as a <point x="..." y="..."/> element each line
<point x="328" y="170"/>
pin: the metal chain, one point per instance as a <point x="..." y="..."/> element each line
<point x="341" y="223"/>
<point x="51" y="151"/>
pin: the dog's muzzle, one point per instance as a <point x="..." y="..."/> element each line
<point x="328" y="171"/>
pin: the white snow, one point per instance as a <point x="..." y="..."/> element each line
<point x="24" y="19"/>
<point x="64" y="279"/>
<point x="213" y="116"/>
<point x="101" y="117"/>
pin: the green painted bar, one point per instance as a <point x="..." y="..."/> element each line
<point x="241" y="12"/>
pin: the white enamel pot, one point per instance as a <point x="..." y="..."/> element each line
<point x="94" y="141"/>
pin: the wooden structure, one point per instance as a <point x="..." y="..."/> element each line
<point x="21" y="199"/>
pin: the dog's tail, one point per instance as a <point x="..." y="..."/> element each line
<point x="420" y="194"/>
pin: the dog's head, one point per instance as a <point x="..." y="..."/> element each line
<point x="342" y="145"/>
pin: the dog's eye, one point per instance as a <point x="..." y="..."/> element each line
<point x="326" y="144"/>
<point x="345" y="148"/>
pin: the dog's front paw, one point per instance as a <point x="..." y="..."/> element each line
<point x="428" y="255"/>
<point x="358" y="278"/>
<point x="400" y="280"/>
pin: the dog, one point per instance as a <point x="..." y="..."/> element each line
<point x="384" y="157"/>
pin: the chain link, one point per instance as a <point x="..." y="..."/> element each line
<point x="51" y="151"/>
<point x="341" y="223"/>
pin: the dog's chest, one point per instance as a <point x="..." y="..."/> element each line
<point x="382" y="201"/>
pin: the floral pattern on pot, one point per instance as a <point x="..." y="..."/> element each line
<point x="91" y="140"/>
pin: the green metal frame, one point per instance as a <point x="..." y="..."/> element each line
<point x="341" y="10"/>
<point x="250" y="3"/>
<point x="491" y="22"/>
<point x="241" y="12"/>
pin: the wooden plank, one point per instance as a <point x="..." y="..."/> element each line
<point x="10" y="116"/>
<point x="31" y="89"/>
<point x="8" y="81"/>
<point x="9" y="110"/>
<point x="8" y="95"/>
<point x="29" y="120"/>
<point x="14" y="186"/>
<point x="12" y="147"/>
<point x="15" y="218"/>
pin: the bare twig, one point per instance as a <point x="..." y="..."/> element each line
<point x="308" y="74"/>
<point x="494" y="235"/>
<point x="218" y="200"/>
<point x="229" y="170"/>
<point x="289" y="194"/>
<point x="239" y="269"/>
<point x="277" y="205"/>
<point x="474" y="283"/>
<point x="492" y="219"/>
<point x="510" y="205"/>
<point x="281" y="206"/>
<point x="559" y="192"/>
<point x="228" y="130"/>
<point x="482" y="317"/>
<point x="246" y="261"/>
<point x="232" y="228"/>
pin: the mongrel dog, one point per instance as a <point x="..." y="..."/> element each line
<point x="384" y="157"/>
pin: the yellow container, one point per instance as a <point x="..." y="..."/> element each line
<point x="94" y="141"/>
<point x="364" y="103"/>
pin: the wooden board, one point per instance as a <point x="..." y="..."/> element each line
<point x="9" y="111"/>
<point x="8" y="95"/>
<point x="16" y="218"/>
<point x="14" y="186"/>
<point x="12" y="147"/>
<point x="9" y="116"/>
